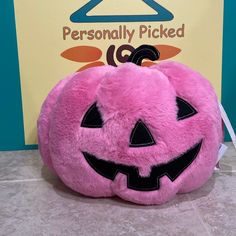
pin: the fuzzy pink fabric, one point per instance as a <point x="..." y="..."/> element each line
<point x="124" y="95"/>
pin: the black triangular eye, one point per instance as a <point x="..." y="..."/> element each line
<point x="185" y="110"/>
<point x="141" y="136"/>
<point x="92" y="118"/>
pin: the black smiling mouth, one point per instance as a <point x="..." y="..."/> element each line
<point x="136" y="182"/>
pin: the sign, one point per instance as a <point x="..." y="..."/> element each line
<point x="57" y="38"/>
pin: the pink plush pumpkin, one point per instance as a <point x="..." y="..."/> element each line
<point x="143" y="134"/>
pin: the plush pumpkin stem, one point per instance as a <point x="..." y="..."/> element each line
<point x="144" y="52"/>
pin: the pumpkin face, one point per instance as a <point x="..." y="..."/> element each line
<point x="144" y="134"/>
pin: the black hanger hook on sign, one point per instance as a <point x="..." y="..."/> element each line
<point x="144" y="52"/>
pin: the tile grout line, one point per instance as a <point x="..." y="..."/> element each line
<point x="199" y="216"/>
<point x="21" y="180"/>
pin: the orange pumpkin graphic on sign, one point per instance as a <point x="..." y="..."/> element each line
<point x="92" y="55"/>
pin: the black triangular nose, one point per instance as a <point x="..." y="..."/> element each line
<point x="141" y="136"/>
